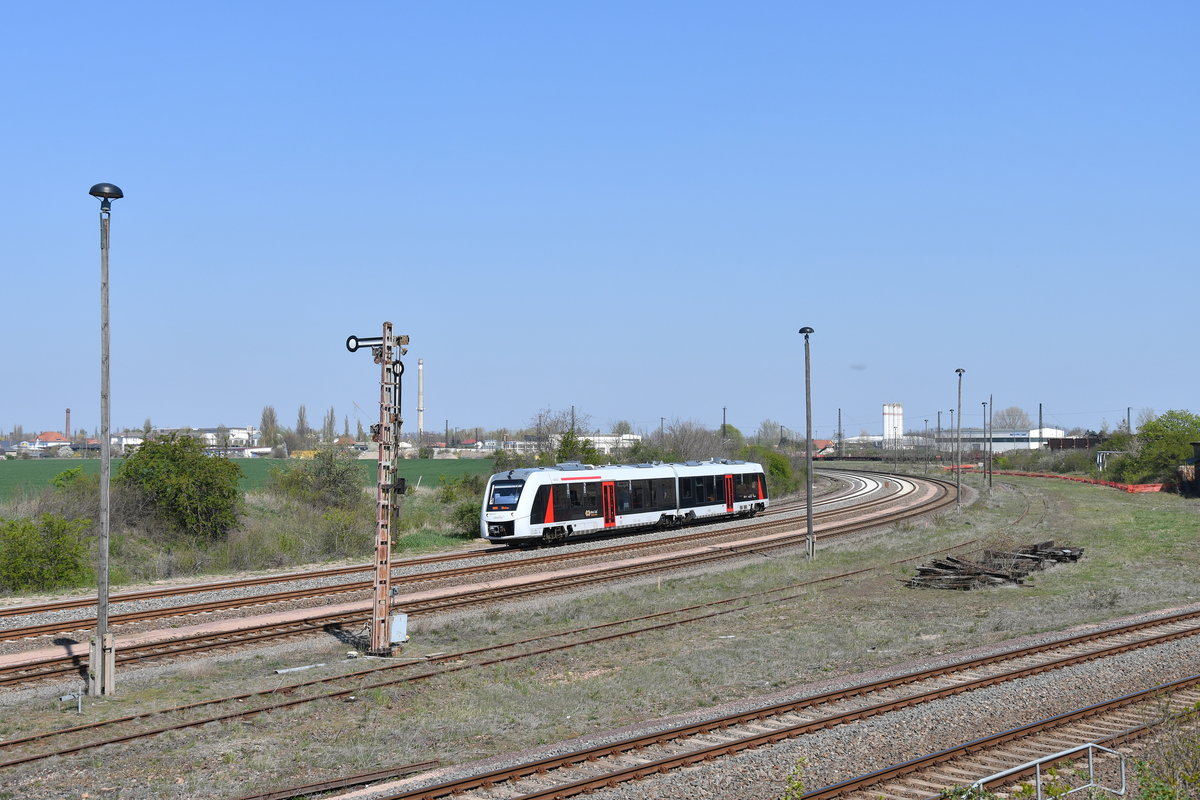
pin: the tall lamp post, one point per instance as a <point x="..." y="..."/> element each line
<point x="950" y="433"/>
<point x="102" y="662"/>
<point x="926" y="447"/>
<point x="984" y="443"/>
<point x="937" y="440"/>
<point x="810" y="541"/>
<point x="991" y="449"/>
<point x="958" y="443"/>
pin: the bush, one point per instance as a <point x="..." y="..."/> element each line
<point x="330" y="479"/>
<point x="465" y="518"/>
<point x="782" y="479"/>
<point x="1162" y="445"/>
<point x="193" y="493"/>
<point x="1169" y="768"/>
<point x="51" y="553"/>
<point x="464" y="487"/>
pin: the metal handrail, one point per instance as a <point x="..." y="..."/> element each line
<point x="1091" y="749"/>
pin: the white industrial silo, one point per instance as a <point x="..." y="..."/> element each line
<point x="893" y="424"/>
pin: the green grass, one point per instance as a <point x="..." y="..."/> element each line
<point x="34" y="474"/>
<point x="1140" y="555"/>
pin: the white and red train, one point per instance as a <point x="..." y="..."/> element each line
<point x="524" y="506"/>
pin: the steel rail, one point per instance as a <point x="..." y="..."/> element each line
<point x="453" y="657"/>
<point x="340" y="783"/>
<point x="288" y="577"/>
<point x="761" y="713"/>
<point x="69" y="626"/>
<point x="1056" y="722"/>
<point x="240" y="583"/>
<point x="675" y="760"/>
<point x="69" y="663"/>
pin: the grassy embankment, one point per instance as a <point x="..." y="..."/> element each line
<point x="1140" y="555"/>
<point x="274" y="532"/>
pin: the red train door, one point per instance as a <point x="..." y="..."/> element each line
<point x="729" y="493"/>
<point x="608" y="503"/>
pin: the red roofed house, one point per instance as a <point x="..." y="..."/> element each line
<point x="50" y="439"/>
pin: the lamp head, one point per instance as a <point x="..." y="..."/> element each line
<point x="106" y="191"/>
<point x="960" y="371"/>
<point x="807" y="331"/>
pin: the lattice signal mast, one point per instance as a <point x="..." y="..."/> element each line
<point x="386" y="349"/>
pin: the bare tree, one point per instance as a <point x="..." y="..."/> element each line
<point x="690" y="440"/>
<point x="770" y="433"/>
<point x="1012" y="418"/>
<point x="550" y="423"/>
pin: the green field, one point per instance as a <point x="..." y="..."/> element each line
<point x="36" y="473"/>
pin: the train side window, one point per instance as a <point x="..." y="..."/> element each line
<point x="540" y="501"/>
<point x="623" y="495"/>
<point x="560" y="500"/>
<point x="638" y="492"/>
<point x="745" y="486"/>
<point x="666" y="498"/>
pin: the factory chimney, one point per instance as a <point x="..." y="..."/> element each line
<point x="420" y="401"/>
<point x="67" y="431"/>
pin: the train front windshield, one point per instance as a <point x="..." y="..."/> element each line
<point x="505" y="495"/>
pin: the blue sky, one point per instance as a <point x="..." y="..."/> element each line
<point x="629" y="207"/>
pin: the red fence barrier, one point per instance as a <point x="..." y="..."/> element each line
<point x="1126" y="487"/>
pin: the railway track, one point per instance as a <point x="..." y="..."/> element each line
<point x="402" y="672"/>
<point x="330" y="572"/>
<point x="592" y="768"/>
<point x="240" y="583"/>
<point x="346" y="618"/>
<point x="932" y="683"/>
<point x="858" y="488"/>
<point x="1009" y="757"/>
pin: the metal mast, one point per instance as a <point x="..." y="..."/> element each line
<point x="386" y="349"/>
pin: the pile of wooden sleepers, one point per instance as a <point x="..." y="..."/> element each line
<point x="991" y="568"/>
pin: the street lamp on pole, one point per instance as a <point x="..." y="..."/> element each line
<point x="991" y="442"/>
<point x="984" y="444"/>
<point x="950" y="433"/>
<point x="937" y="440"/>
<point x="810" y="540"/>
<point x="926" y="446"/>
<point x="102" y="658"/>
<point x="958" y="443"/>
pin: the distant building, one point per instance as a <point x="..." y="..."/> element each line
<point x="605" y="443"/>
<point x="1002" y="440"/>
<point x="216" y="437"/>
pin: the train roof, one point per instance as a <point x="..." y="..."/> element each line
<point x="575" y="466"/>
